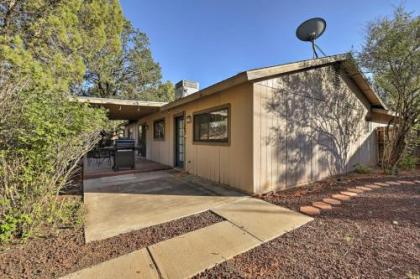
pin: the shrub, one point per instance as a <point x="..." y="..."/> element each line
<point x="408" y="162"/>
<point x="43" y="132"/>
<point x="362" y="169"/>
<point x="43" y="135"/>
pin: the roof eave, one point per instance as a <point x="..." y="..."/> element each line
<point x="212" y="89"/>
<point x="261" y="73"/>
<point x="350" y="66"/>
<point x="119" y="109"/>
<point x="382" y="116"/>
<point x="122" y="102"/>
<point x="361" y="81"/>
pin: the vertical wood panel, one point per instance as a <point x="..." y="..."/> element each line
<point x="257" y="137"/>
<point x="307" y="155"/>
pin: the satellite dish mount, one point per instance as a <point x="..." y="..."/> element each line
<point x="310" y="30"/>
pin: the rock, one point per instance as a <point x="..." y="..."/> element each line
<point x="341" y="197"/>
<point x="355" y="190"/>
<point x="322" y="205"/>
<point x="310" y="210"/>
<point x="363" y="188"/>
<point x="351" y="194"/>
<point x="332" y="201"/>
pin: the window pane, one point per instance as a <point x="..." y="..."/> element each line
<point x="211" y="126"/>
<point x="204" y="131"/>
<point x="218" y="125"/>
<point x="159" y="129"/>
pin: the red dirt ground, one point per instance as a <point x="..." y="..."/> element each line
<point x="376" y="235"/>
<point x="56" y="256"/>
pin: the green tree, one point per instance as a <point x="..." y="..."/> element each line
<point x="131" y="73"/>
<point x="44" y="45"/>
<point x="391" y="53"/>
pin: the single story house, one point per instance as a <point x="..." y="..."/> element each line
<point x="264" y="129"/>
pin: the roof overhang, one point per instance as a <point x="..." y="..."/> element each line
<point x="134" y="110"/>
<point x="349" y="66"/>
<point x="361" y="81"/>
<point x="262" y="73"/>
<point x="381" y="116"/>
<point x="119" y="109"/>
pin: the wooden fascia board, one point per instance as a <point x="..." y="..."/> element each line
<point x="121" y="102"/>
<point x="360" y="80"/>
<point x="293" y="67"/>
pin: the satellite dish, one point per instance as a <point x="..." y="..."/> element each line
<point x="310" y="30"/>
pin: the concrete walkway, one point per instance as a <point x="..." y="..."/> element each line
<point x="124" y="203"/>
<point x="249" y="223"/>
<point x="137" y="264"/>
<point x="188" y="254"/>
<point x="261" y="219"/>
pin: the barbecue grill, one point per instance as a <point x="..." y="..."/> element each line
<point x="124" y="156"/>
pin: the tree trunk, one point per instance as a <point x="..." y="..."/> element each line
<point x="395" y="148"/>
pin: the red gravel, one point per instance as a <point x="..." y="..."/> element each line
<point x="56" y="256"/>
<point x="375" y="235"/>
<point x="305" y="195"/>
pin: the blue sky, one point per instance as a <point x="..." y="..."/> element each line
<point x="210" y="40"/>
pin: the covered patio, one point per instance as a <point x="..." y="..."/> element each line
<point x="102" y="167"/>
<point x="118" y="109"/>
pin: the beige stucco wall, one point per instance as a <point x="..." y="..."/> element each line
<point x="230" y="165"/>
<point x="289" y="146"/>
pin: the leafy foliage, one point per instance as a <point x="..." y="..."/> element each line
<point x="130" y="73"/>
<point x="392" y="54"/>
<point x="362" y="169"/>
<point x="43" y="133"/>
<point x="408" y="162"/>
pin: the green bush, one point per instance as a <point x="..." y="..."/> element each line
<point x="41" y="156"/>
<point x="43" y="131"/>
<point x="362" y="169"/>
<point x="408" y="162"/>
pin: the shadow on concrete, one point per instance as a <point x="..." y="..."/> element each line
<point x="102" y="167"/>
<point x="167" y="182"/>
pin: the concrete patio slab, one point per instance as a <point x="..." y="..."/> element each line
<point x="188" y="254"/>
<point x="121" y="204"/>
<point x="134" y="265"/>
<point x="263" y="220"/>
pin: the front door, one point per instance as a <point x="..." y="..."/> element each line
<point x="179" y="141"/>
<point x="142" y="140"/>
